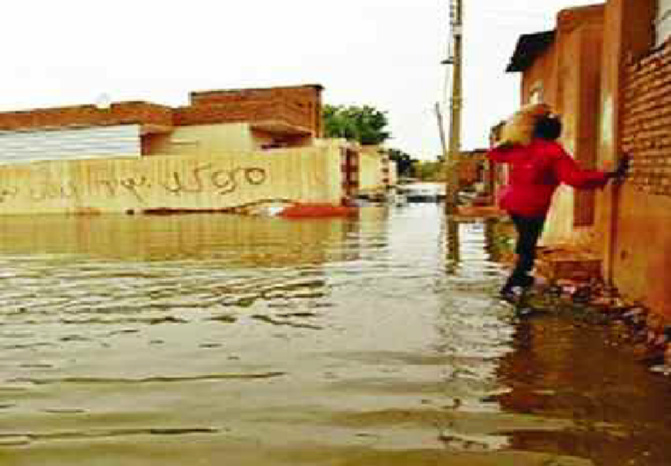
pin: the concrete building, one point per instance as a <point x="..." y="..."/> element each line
<point x="607" y="69"/>
<point x="242" y="120"/>
<point x="226" y="149"/>
<point x="377" y="173"/>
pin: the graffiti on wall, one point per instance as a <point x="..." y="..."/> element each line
<point x="201" y="179"/>
<point x="43" y="191"/>
<point x="206" y="177"/>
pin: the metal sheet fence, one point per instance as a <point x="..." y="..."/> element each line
<point x="69" y="144"/>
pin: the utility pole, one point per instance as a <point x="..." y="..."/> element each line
<point x="441" y="130"/>
<point x="455" y="59"/>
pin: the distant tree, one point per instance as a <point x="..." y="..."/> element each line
<point x="429" y="170"/>
<point x="365" y="125"/>
<point x="404" y="162"/>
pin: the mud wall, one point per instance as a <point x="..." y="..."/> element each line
<point x="628" y="36"/>
<point x="559" y="227"/>
<point x="567" y="76"/>
<point x="193" y="182"/>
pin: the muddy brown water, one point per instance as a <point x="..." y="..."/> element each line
<point x="216" y="339"/>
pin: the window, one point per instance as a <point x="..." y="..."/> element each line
<point x="663" y="22"/>
<point x="536" y="95"/>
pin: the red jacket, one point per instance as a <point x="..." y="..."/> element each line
<point x="535" y="172"/>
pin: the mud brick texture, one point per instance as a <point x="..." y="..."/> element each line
<point x="646" y="128"/>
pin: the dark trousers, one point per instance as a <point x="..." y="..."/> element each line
<point x="529" y="230"/>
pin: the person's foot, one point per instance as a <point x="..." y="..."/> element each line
<point x="526" y="281"/>
<point x="508" y="294"/>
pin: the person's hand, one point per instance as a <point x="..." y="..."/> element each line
<point x="621" y="170"/>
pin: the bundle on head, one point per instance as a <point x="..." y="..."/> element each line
<point x="519" y="128"/>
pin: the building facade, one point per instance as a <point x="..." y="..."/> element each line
<point x="607" y="70"/>
<point x="562" y="68"/>
<point x="214" y="122"/>
<point x="226" y="149"/>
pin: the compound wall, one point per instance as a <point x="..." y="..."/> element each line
<point x="174" y="182"/>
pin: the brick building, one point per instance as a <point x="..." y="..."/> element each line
<point x="226" y="149"/>
<point x="607" y="69"/>
<point x="215" y="121"/>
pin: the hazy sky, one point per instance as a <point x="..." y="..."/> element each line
<point x="384" y="53"/>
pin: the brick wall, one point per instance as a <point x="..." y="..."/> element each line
<point x="87" y="115"/>
<point x="305" y="93"/>
<point x="646" y="126"/>
<point x="143" y="112"/>
<point x="299" y="105"/>
<point x="223" y="113"/>
<point x="636" y="217"/>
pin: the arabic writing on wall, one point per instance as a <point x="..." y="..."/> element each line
<point x="205" y="178"/>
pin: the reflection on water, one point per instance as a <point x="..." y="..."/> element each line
<point x="211" y="339"/>
<point x="240" y="240"/>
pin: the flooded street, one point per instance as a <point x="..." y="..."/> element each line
<point x="218" y="339"/>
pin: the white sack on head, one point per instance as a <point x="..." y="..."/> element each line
<point x="519" y="128"/>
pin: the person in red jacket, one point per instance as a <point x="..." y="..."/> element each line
<point x="535" y="172"/>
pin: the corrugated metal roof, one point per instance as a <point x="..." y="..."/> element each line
<point x="529" y="47"/>
<point x="70" y="144"/>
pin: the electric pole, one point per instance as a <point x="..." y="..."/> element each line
<point x="441" y="131"/>
<point x="455" y="59"/>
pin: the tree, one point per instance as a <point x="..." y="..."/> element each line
<point x="365" y="125"/>
<point x="404" y="162"/>
<point x="429" y="170"/>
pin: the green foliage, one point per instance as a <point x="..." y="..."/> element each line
<point x="429" y="170"/>
<point x="365" y="125"/>
<point x="368" y="126"/>
<point x="404" y="162"/>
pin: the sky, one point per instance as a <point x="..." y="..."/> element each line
<point x="384" y="53"/>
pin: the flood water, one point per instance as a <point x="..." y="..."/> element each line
<point x="375" y="340"/>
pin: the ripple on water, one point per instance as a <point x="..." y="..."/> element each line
<point x="368" y="341"/>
